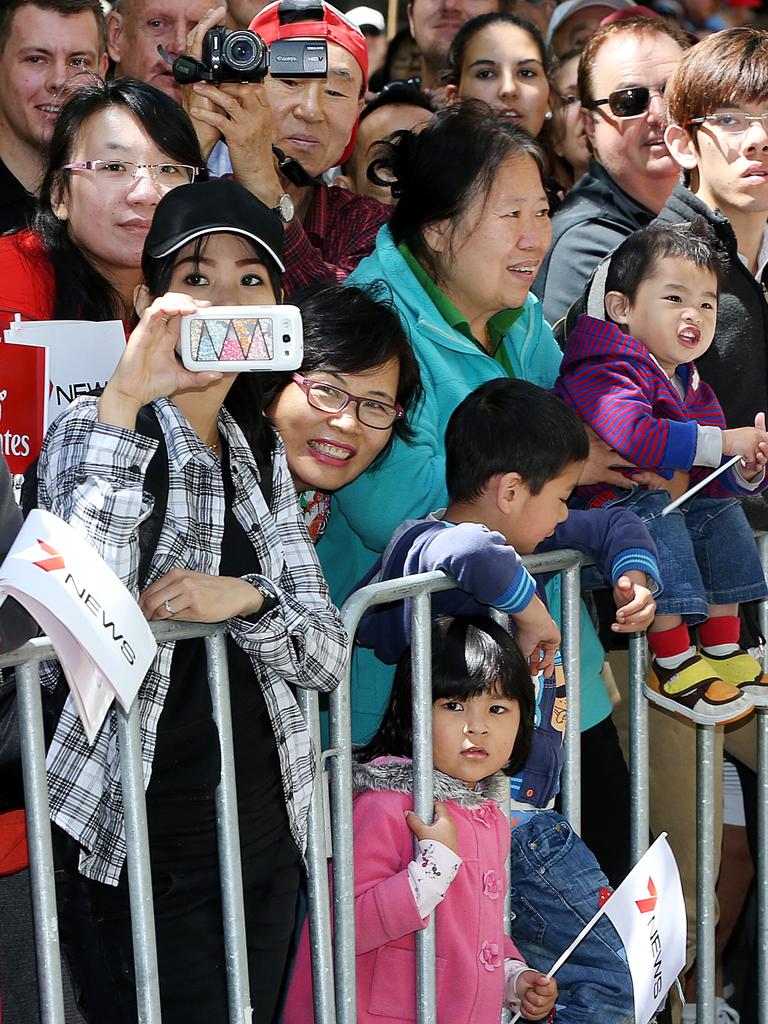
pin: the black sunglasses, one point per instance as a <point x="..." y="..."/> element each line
<point x="630" y="102"/>
<point x="396" y="83"/>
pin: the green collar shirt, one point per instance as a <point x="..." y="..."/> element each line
<point x="498" y="325"/>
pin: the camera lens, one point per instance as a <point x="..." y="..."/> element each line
<point x="243" y="50"/>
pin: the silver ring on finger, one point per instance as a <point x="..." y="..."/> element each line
<point x="168" y="608"/>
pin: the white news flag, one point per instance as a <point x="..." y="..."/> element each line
<point x="100" y="635"/>
<point x="648" y="912"/>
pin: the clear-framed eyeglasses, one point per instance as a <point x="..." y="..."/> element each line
<point x="329" y="398"/>
<point x="123" y="172"/>
<point x="731" y="122"/>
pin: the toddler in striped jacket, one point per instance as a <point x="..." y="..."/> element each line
<point x="632" y="379"/>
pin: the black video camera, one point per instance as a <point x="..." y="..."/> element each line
<point x="243" y="56"/>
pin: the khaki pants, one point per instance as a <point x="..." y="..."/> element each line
<point x="673" y="780"/>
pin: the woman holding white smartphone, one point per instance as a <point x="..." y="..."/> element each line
<point x="230" y="545"/>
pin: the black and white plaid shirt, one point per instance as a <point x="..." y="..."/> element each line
<point x="91" y="475"/>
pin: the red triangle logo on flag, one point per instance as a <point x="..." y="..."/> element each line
<point x="645" y="906"/>
<point x="56" y="561"/>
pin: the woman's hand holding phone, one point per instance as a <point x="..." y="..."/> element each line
<point x="149" y="367"/>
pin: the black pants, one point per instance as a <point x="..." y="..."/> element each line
<point x="96" y="936"/>
<point x="605" y="817"/>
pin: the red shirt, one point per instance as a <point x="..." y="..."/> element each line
<point x="27" y="283"/>
<point x="339" y="229"/>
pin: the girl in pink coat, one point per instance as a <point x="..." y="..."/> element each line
<point x="482" y="722"/>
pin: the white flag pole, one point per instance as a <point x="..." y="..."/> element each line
<point x="591" y="924"/>
<point x="697" y="487"/>
<point x="564" y="956"/>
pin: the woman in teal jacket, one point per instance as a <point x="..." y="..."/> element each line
<point x="446" y="257"/>
<point x="466" y="237"/>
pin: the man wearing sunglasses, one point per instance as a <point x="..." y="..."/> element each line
<point x="622" y="74"/>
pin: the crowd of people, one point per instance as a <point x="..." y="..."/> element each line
<point x="529" y="244"/>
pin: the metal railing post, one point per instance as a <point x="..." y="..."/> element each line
<point x="571" y="603"/>
<point x="423" y="792"/>
<point x="762" y="818"/>
<point x="319" y="911"/>
<point x="30" y="711"/>
<point x="228" y="836"/>
<point x="705" y="874"/>
<point x="761" y="867"/>
<point x="418" y="588"/>
<point x="138" y="866"/>
<point x="340" y="772"/>
<point x="639" y="762"/>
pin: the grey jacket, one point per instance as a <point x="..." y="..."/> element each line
<point x="594" y="219"/>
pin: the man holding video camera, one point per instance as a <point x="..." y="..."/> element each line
<point x="283" y="133"/>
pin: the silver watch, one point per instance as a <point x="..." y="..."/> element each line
<point x="284" y="208"/>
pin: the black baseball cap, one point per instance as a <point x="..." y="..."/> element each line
<point x="213" y="207"/>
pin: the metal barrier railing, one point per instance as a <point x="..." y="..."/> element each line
<point x="333" y="960"/>
<point x="339" y="1005"/>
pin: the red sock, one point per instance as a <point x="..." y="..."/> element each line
<point x="720" y="629"/>
<point x="669" y="643"/>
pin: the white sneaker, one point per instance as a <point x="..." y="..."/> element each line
<point x="724" y="1012"/>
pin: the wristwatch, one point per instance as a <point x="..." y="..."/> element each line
<point x="284" y="208"/>
<point x="266" y="591"/>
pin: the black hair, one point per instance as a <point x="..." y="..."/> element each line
<point x="471" y="655"/>
<point x="636" y="258"/>
<point x="336" y="320"/>
<point x="383" y="76"/>
<point x="510" y="426"/>
<point x="245" y="399"/>
<point x="401" y="94"/>
<point x="462" y="39"/>
<point x="82" y="291"/>
<point x="396" y="94"/>
<point x="438" y="172"/>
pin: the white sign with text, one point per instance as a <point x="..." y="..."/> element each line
<point x="82" y="355"/>
<point x="100" y="635"/>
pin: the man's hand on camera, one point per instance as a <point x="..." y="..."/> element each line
<point x="207" y="135"/>
<point x="241" y="114"/>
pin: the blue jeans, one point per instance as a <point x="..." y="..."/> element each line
<point x="555" y="891"/>
<point x="707" y="553"/>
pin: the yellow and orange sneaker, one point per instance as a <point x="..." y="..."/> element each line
<point x="742" y="671"/>
<point x="695" y="690"/>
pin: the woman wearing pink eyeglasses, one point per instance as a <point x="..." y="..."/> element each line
<point x="117" y="148"/>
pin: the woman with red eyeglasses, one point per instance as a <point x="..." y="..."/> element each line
<point x="348" y="402"/>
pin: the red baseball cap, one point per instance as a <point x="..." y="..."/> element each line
<point x="334" y="27"/>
